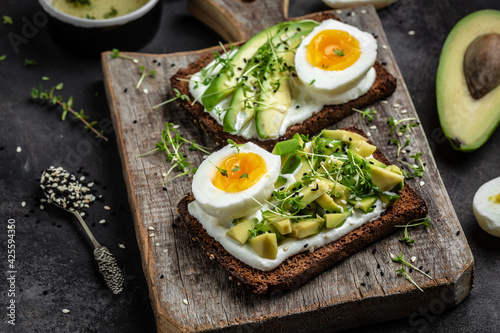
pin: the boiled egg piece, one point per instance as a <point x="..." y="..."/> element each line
<point x="335" y="57"/>
<point x="486" y="206"/>
<point x="339" y="4"/>
<point x="230" y="184"/>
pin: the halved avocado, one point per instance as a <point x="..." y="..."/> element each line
<point x="468" y="80"/>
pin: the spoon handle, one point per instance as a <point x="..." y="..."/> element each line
<point x="87" y="230"/>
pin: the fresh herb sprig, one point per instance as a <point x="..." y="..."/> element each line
<point x="7" y="20"/>
<point x="339" y="52"/>
<point x="414" y="223"/>
<point x="47" y="96"/>
<point x="393" y="124"/>
<point x="144" y="74"/>
<point x="113" y="12"/>
<point x="417" y="170"/>
<point x="170" y="143"/>
<point x="178" y="95"/>
<point x="402" y="271"/>
<point x="223" y="172"/>
<point x="368" y="113"/>
<point x="30" y="62"/>
<point x="234" y="145"/>
<point x="400" y="146"/>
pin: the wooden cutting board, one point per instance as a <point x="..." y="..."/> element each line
<point x="191" y="293"/>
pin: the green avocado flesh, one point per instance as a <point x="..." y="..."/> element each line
<point x="322" y="183"/>
<point x="467" y="81"/>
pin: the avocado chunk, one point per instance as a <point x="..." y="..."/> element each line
<point x="284" y="226"/>
<point x="327" y="203"/>
<point x="335" y="220"/>
<point x="388" y="198"/>
<point x="313" y="191"/>
<point x="266" y="245"/>
<point x="240" y="231"/>
<point x="362" y="148"/>
<point x="343" y="135"/>
<point x="468" y="80"/>
<point x="385" y="179"/>
<point x="365" y="204"/>
<point x="307" y="227"/>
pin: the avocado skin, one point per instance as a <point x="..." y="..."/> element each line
<point x="467" y="122"/>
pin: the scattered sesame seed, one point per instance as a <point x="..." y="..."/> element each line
<point x="185" y="301"/>
<point x="230" y="278"/>
<point x="165" y="251"/>
<point x="458" y="232"/>
<point x="311" y="250"/>
<point x="373" y="127"/>
<point x="353" y="14"/>
<point x="121" y="246"/>
<point x="363" y="11"/>
<point x="384" y="46"/>
<point x="403" y="151"/>
<point x="327" y="236"/>
<point x="411" y="32"/>
<point x="42" y="207"/>
<point x="82" y="178"/>
<point x="404" y="111"/>
<point x="102" y="221"/>
<point x="368" y="133"/>
<point x="82" y="214"/>
<point x="152" y="234"/>
<point x="422" y="183"/>
<point x="90" y="184"/>
<point x="338" y="11"/>
<point x="392" y="255"/>
<point x="65" y="311"/>
<point x="23" y="203"/>
<point x="19" y="149"/>
<point x="145" y="91"/>
<point x="157" y="244"/>
<point x="413" y="259"/>
<point x="407" y="135"/>
<point x="151" y="228"/>
<point x="385" y="102"/>
<point x="164" y="175"/>
<point x="135" y="61"/>
<point x="400" y="134"/>
<point x="396" y="105"/>
<point x="107" y="208"/>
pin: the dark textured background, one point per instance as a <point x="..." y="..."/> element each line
<point x="53" y="259"/>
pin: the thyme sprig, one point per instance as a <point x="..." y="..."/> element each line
<point x="414" y="223"/>
<point x="402" y="271"/>
<point x="170" y="143"/>
<point x="47" y="96"/>
<point x="368" y="113"/>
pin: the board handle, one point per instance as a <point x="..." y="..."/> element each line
<point x="238" y="20"/>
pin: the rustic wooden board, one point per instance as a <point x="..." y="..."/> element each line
<point x="345" y="296"/>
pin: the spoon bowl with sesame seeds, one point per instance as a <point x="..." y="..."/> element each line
<point x="64" y="191"/>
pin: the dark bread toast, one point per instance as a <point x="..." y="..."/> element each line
<point x="384" y="86"/>
<point x="302" y="267"/>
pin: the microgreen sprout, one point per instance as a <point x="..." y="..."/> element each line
<point x="393" y="124"/>
<point x="3" y="57"/>
<point x="367" y="113"/>
<point x="245" y="175"/>
<point x="178" y="95"/>
<point x="170" y="143"/>
<point x="414" y="223"/>
<point x="144" y="74"/>
<point x="400" y="146"/>
<point x="223" y="172"/>
<point x="7" y="20"/>
<point x="43" y="96"/>
<point x="234" y="145"/>
<point x="312" y="82"/>
<point x="30" y="62"/>
<point x="418" y="170"/>
<point x="402" y="270"/>
<point x="339" y="52"/>
<point x="118" y="54"/>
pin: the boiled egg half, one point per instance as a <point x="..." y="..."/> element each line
<point x="336" y="59"/>
<point x="486" y="206"/>
<point x="234" y="181"/>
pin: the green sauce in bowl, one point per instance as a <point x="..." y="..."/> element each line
<point x="98" y="9"/>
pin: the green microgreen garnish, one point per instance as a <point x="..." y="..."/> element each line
<point x="236" y="168"/>
<point x="80" y="2"/>
<point x="170" y="143"/>
<point x="402" y="270"/>
<point x="223" y="172"/>
<point x="112" y="13"/>
<point x="3" y="57"/>
<point x="312" y="82"/>
<point x="339" y="52"/>
<point x="178" y="95"/>
<point x="144" y="74"/>
<point x="414" y="223"/>
<point x="60" y="86"/>
<point x="118" y="54"/>
<point x="41" y="95"/>
<point x="7" y="20"/>
<point x="234" y="145"/>
<point x="418" y="170"/>
<point x="367" y="113"/>
<point x="400" y="146"/>
<point x="393" y="124"/>
<point x="245" y="175"/>
<point x="30" y="62"/>
<point x="45" y="78"/>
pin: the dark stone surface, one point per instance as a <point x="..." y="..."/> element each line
<point x="54" y="263"/>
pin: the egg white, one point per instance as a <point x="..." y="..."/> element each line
<point x="330" y="82"/>
<point x="486" y="211"/>
<point x="224" y="205"/>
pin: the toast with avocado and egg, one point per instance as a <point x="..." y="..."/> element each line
<point x="295" y="77"/>
<point x="275" y="220"/>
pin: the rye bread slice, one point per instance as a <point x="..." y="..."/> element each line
<point x="384" y="86"/>
<point x="302" y="267"/>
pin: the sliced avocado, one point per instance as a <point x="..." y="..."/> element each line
<point x="365" y="204"/>
<point x="388" y="198"/>
<point x="240" y="231"/>
<point x="274" y="96"/>
<point x="226" y="82"/>
<point x="280" y="182"/>
<point x="242" y="105"/>
<point x="284" y="226"/>
<point x="335" y="220"/>
<point x="384" y="179"/>
<point x="293" y="161"/>
<point x="362" y="148"/>
<point x="376" y="162"/>
<point x="327" y="203"/>
<point x="266" y="245"/>
<point x="306" y="166"/>
<point x="329" y="165"/>
<point x="307" y="227"/>
<point x="287" y="147"/>
<point x="343" y="135"/>
<point x="397" y="170"/>
<point x="468" y="80"/>
<point x="334" y="146"/>
<point x="339" y="192"/>
<point x="313" y="191"/>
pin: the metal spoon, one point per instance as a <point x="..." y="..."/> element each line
<point x="63" y="190"/>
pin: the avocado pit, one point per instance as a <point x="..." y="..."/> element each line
<point x="482" y="65"/>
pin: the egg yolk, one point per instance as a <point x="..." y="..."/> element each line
<point x="239" y="172"/>
<point x="333" y="50"/>
<point x="495" y="198"/>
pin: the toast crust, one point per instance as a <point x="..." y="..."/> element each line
<point x="384" y="86"/>
<point x="300" y="268"/>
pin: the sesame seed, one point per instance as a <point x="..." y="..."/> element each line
<point x="151" y="235"/>
<point x="121" y="246"/>
<point x="65" y="311"/>
<point x="42" y="207"/>
<point x="165" y="250"/>
<point x="82" y="178"/>
<point x="19" y="149"/>
<point x="413" y="259"/>
<point x="385" y="102"/>
<point x="157" y="244"/>
<point x="363" y="11"/>
<point x="90" y="184"/>
<point x="404" y="111"/>
<point x="384" y="46"/>
<point x="338" y="11"/>
<point x="353" y="14"/>
<point x="368" y="133"/>
<point x="311" y="250"/>
<point x="185" y="301"/>
<point x="102" y="221"/>
<point x="135" y="61"/>
<point x="396" y="105"/>
<point x="145" y="91"/>
<point x="107" y="208"/>
<point x="422" y="183"/>
<point x="82" y="214"/>
<point x="23" y="204"/>
<point x="373" y="127"/>
<point x="411" y="32"/>
<point x="392" y="255"/>
<point x="151" y="228"/>
<point x="327" y="236"/>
